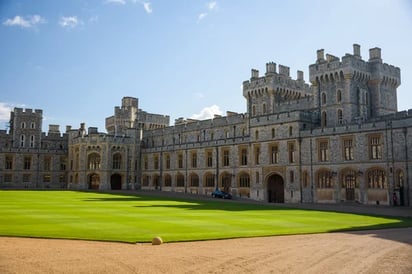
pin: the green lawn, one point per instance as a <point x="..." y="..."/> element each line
<point x="124" y="218"/>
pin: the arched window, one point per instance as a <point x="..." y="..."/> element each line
<point x="168" y="180"/>
<point x="210" y="180"/>
<point x="339" y="96"/>
<point x="323" y="98"/>
<point x="23" y="125"/>
<point x="194" y="180"/>
<point x="399" y="179"/>
<point x="117" y="161"/>
<point x="257" y="134"/>
<point x="273" y="133"/>
<point x="32" y="125"/>
<point x="180" y="180"/>
<point x="93" y="161"/>
<point x="377" y="179"/>
<point x="264" y="108"/>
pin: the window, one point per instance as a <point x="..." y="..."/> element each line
<point x="180" y="180"/>
<point x="243" y="159"/>
<point x="253" y="110"/>
<point x="243" y="132"/>
<point x="156" y="162"/>
<point x="399" y="179"/>
<point x="210" y="180"/>
<point x="32" y="125"/>
<point x="194" y="180"/>
<point x="23" y="125"/>
<point x="63" y="162"/>
<point x="340" y="117"/>
<point x="244" y="180"/>
<point x="27" y="162"/>
<point x="209" y="159"/>
<point x="94" y="161"/>
<point x="194" y="160"/>
<point x="305" y="179"/>
<point x="291" y="150"/>
<point x="348" y="149"/>
<point x="226" y="161"/>
<point x="167" y="161"/>
<point x="375" y="148"/>
<point x="264" y="108"/>
<point x="290" y="131"/>
<point x="47" y="163"/>
<point x="257" y="155"/>
<point x="339" y="96"/>
<point x="291" y="176"/>
<point x="9" y="162"/>
<point x="273" y="133"/>
<point x="274" y="159"/>
<point x="323" y="151"/>
<point x="324" y="179"/>
<point x="46" y="178"/>
<point x="8" y="178"/>
<point x="62" y="179"/>
<point x="32" y="141"/>
<point x="257" y="177"/>
<point x="180" y="161"/>
<point x="168" y="180"/>
<point x="323" y="98"/>
<point x="117" y="161"/>
<point x="350" y="180"/>
<point x="257" y="134"/>
<point x="227" y="135"/>
<point x="377" y="179"/>
<point x="22" y="141"/>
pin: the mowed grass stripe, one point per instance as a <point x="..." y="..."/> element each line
<point x="124" y="218"/>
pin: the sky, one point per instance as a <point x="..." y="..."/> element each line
<point x="76" y="60"/>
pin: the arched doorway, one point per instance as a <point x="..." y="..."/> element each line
<point x="275" y="189"/>
<point x="116" y="181"/>
<point x="94" y="181"/>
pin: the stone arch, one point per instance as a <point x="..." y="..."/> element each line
<point x="275" y="186"/>
<point x="116" y="181"/>
<point x="194" y="180"/>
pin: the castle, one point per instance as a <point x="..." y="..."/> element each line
<point x="338" y="139"/>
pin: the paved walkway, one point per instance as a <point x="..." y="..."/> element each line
<point x="400" y="211"/>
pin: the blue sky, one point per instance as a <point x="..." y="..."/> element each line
<point x="77" y="59"/>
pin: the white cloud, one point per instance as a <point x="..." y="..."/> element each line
<point x="69" y="22"/>
<point x="201" y="16"/>
<point x="25" y="22"/>
<point x="119" y="2"/>
<point x="212" y="5"/>
<point x="207" y="113"/>
<point x="147" y="7"/>
<point x="5" y="112"/>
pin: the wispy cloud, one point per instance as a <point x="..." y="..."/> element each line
<point x="30" y="21"/>
<point x="69" y="22"/>
<point x="207" y="113"/>
<point x="118" y="2"/>
<point x="211" y="6"/>
<point x="147" y="7"/>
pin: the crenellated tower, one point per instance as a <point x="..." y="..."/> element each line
<point x="26" y="127"/>
<point x="353" y="90"/>
<point x="267" y="94"/>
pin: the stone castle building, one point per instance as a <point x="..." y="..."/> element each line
<point x="338" y="139"/>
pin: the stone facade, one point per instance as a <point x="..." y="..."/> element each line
<point x="338" y="139"/>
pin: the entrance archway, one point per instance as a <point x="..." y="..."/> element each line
<point x="275" y="189"/>
<point x="94" y="181"/>
<point x="116" y="181"/>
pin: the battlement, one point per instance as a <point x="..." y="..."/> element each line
<point x="352" y="65"/>
<point x="27" y="111"/>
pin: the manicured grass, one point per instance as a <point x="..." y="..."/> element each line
<point x="124" y="218"/>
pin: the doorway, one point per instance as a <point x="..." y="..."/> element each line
<point x="275" y="189"/>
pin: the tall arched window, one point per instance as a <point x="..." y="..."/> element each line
<point x="264" y="108"/>
<point x="22" y="140"/>
<point x="117" y="161"/>
<point x="339" y="96"/>
<point x="323" y="98"/>
<point x="93" y="161"/>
